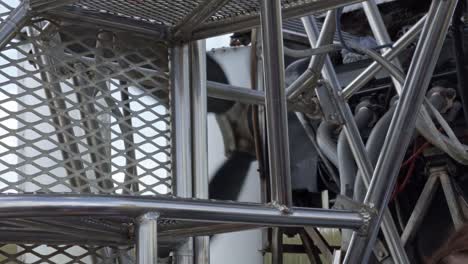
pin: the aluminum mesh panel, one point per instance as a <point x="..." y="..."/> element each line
<point x="5" y="8"/>
<point x="83" y="111"/>
<point x="236" y="8"/>
<point x="167" y="12"/>
<point x="32" y="254"/>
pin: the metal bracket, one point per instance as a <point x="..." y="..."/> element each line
<point x="328" y="99"/>
<point x="367" y="212"/>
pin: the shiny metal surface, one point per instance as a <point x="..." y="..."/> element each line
<point x="13" y="23"/>
<point x="368" y="74"/>
<point x="309" y="78"/>
<point x="181" y="130"/>
<point x="380" y="32"/>
<point x="276" y="114"/>
<point x="189" y="20"/>
<point x="185" y="171"/>
<point x="147" y="239"/>
<point x="233" y="93"/>
<point x="196" y="17"/>
<point x="356" y="143"/>
<point x="200" y="139"/>
<point x="291" y="10"/>
<point x="403" y="123"/>
<point x="17" y="206"/>
<point x="351" y="130"/>
<point x="275" y="106"/>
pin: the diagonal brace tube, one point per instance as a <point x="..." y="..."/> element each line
<point x="13" y="23"/>
<point x="403" y="122"/>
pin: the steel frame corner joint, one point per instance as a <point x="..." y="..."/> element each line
<point x="403" y="122"/>
<point x="147" y="238"/>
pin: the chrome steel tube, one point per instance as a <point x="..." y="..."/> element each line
<point x="200" y="140"/>
<point x="380" y="32"/>
<point x="397" y="251"/>
<point x="275" y="102"/>
<point x="13" y="23"/>
<point x="403" y="123"/>
<point x="57" y="106"/>
<point x="147" y="239"/>
<point x="181" y="135"/>
<point x="241" y="23"/>
<point x="95" y="139"/>
<point x="309" y="78"/>
<point x="22" y="206"/>
<point x="369" y="73"/>
<point x="233" y="93"/>
<point x="352" y="133"/>
<point x="196" y="17"/>
<point x="350" y="127"/>
<point x="276" y="114"/>
<point x="182" y="127"/>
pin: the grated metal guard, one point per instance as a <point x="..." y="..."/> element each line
<point x="172" y="12"/>
<point x="30" y="254"/>
<point x="81" y="111"/>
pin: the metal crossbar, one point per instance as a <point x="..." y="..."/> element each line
<point x="110" y="115"/>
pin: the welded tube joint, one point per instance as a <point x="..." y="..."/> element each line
<point x="147" y="238"/>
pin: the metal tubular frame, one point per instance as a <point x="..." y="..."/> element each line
<point x="351" y="130"/>
<point x="189" y="91"/>
<point x="200" y="140"/>
<point x="275" y="102"/>
<point x="368" y="74"/>
<point x="147" y="239"/>
<point x="276" y="115"/>
<point x="380" y="32"/>
<point x="13" y="23"/>
<point x="356" y="143"/>
<point x="238" y="94"/>
<point x="197" y="16"/>
<point x="62" y="119"/>
<point x="389" y="228"/>
<point x="248" y="22"/>
<point x="181" y="127"/>
<point x="311" y="75"/>
<point x="403" y="122"/>
<point x="176" y="208"/>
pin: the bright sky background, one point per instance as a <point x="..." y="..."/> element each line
<point x="218" y="42"/>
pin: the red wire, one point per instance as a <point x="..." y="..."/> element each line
<point x="416" y="154"/>
<point x="411" y="161"/>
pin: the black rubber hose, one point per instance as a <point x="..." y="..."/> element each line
<point x="459" y="53"/>
<point x="346" y="163"/>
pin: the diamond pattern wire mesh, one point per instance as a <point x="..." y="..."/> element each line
<point x="33" y="254"/>
<point x="81" y="111"/>
<point x="83" y="114"/>
<point x="166" y="12"/>
<point x="171" y="12"/>
<point x="6" y="7"/>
